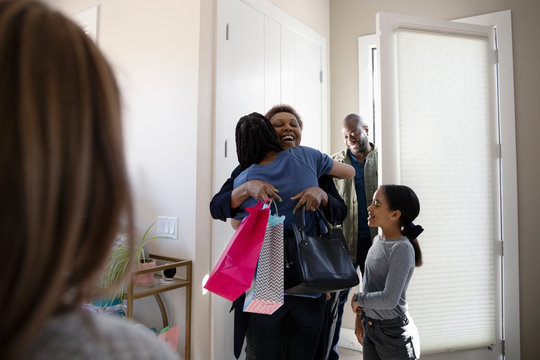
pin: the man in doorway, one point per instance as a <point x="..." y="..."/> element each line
<point x="357" y="194"/>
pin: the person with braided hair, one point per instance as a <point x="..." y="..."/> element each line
<point x="291" y="171"/>
<point x="388" y="330"/>
<point x="288" y="125"/>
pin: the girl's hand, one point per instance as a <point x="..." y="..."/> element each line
<point x="357" y="309"/>
<point x="261" y="190"/>
<point x="359" y="330"/>
<point x="257" y="189"/>
<point x="312" y="197"/>
<point x="235" y="223"/>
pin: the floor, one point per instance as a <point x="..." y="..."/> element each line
<point x="347" y="354"/>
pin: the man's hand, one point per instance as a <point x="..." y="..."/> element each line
<point x="312" y="197"/>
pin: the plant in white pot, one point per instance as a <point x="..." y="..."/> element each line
<point x="119" y="262"/>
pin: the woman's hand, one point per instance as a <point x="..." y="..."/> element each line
<point x="359" y="329"/>
<point x="312" y="197"/>
<point x="257" y="189"/>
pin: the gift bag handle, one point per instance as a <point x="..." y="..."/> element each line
<point x="269" y="202"/>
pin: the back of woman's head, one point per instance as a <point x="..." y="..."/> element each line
<point x="255" y="137"/>
<point x="404" y="199"/>
<point x="64" y="183"/>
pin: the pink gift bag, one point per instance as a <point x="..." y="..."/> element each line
<point x="233" y="273"/>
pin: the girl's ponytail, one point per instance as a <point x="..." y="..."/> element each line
<point x="412" y="231"/>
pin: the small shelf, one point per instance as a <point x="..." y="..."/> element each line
<point x="157" y="287"/>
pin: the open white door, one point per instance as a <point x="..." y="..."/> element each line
<point x="437" y="126"/>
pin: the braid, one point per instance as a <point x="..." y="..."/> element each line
<point x="255" y="137"/>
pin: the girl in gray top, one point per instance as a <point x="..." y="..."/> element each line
<point x="388" y="331"/>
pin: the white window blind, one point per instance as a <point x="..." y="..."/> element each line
<point x="448" y="156"/>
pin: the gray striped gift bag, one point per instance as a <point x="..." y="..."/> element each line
<point x="266" y="293"/>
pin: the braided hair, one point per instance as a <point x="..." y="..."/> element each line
<point x="403" y="198"/>
<point x="255" y="137"/>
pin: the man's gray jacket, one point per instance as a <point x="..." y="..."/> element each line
<point x="347" y="191"/>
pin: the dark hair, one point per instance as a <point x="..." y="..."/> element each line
<point x="64" y="184"/>
<point x="255" y="137"/>
<point x="403" y="198"/>
<point x="284" y="108"/>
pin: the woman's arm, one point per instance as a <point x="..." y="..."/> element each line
<point x="342" y="171"/>
<point x="336" y="210"/>
<point x="220" y="205"/>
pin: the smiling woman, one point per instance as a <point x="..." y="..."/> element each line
<point x="287" y="124"/>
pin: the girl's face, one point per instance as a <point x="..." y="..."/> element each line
<point x="379" y="214"/>
<point x="287" y="129"/>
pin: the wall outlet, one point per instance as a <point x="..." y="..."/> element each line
<point x="167" y="226"/>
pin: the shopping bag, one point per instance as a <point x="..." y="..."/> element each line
<point x="233" y="273"/>
<point x="266" y="294"/>
<point x="170" y="336"/>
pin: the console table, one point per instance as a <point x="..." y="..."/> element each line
<point x="157" y="287"/>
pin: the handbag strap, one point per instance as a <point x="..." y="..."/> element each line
<point x="301" y="214"/>
<point x="326" y="222"/>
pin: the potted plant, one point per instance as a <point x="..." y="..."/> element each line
<point x="119" y="260"/>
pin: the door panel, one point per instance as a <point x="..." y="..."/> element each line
<point x="241" y="68"/>
<point x="301" y="85"/>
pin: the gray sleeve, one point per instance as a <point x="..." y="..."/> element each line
<point x="401" y="266"/>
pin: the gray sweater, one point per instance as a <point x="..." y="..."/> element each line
<point x="389" y="268"/>
<point x="86" y="335"/>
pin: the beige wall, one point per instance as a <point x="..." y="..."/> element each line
<point x="352" y="18"/>
<point x="313" y="13"/>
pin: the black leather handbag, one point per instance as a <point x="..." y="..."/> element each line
<point x="317" y="263"/>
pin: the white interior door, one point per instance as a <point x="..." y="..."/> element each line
<point x="264" y="57"/>
<point x="240" y="91"/>
<point x="302" y="84"/>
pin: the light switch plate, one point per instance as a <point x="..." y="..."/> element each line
<point x="167" y="226"/>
